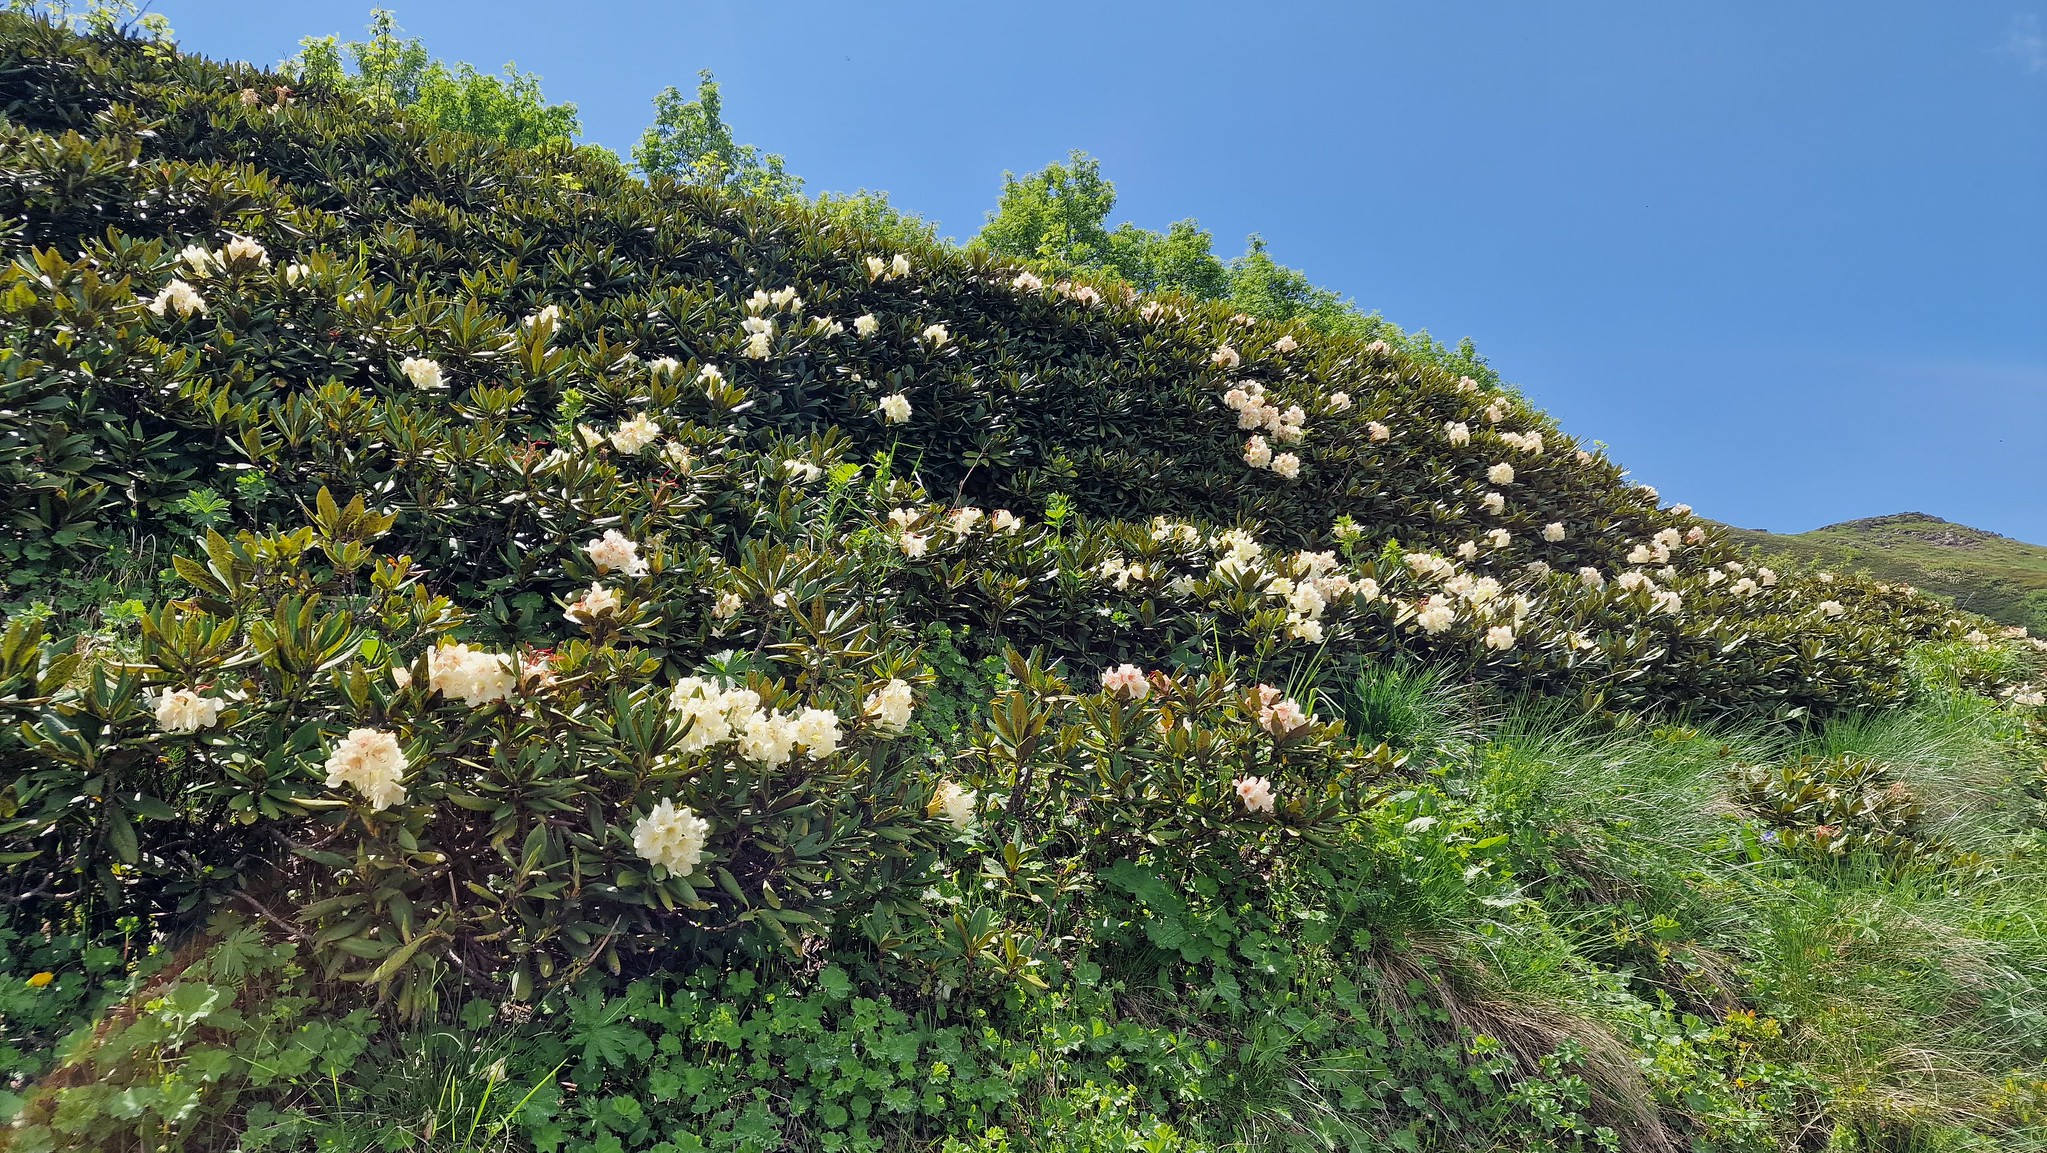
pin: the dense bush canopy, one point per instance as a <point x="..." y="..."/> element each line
<point x="609" y="585"/>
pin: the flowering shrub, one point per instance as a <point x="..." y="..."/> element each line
<point x="626" y="580"/>
<point x="1821" y="808"/>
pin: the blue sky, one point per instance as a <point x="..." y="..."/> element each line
<point x="1788" y="260"/>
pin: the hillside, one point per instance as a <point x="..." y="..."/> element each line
<point x="2004" y="579"/>
<point x="503" y="655"/>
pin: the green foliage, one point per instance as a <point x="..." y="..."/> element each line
<point x="1070" y="775"/>
<point x="690" y="143"/>
<point x="1982" y="572"/>
<point x="1057" y="218"/>
<point x="393" y="72"/>
<point x="1819" y="807"/>
<point x="870" y="215"/>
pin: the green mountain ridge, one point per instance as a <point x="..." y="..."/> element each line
<point x="1980" y="571"/>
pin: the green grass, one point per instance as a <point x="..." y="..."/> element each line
<point x="1983" y="572"/>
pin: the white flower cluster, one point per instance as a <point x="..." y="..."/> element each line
<point x="615" y="552"/>
<point x="959" y="522"/>
<point x="597" y="603"/>
<point x="1247" y="399"/>
<point x="1256" y="794"/>
<point x="472" y="676"/>
<point x="239" y="253"/>
<point x="1127" y="682"/>
<point x="715" y="713"/>
<point x="372" y="762"/>
<point x="633" y="436"/>
<point x="185" y="711"/>
<point x="178" y="297"/>
<point x="894" y="268"/>
<point x="955" y="803"/>
<point x="1529" y="442"/>
<point x="894" y="408"/>
<point x="424" y="374"/>
<point x="672" y="838"/>
<point x="890" y="706"/>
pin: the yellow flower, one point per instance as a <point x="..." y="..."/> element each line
<point x="41" y="979"/>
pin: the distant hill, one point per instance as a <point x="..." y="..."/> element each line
<point x="1994" y="575"/>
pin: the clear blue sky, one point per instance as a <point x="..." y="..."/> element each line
<point x="1788" y="260"/>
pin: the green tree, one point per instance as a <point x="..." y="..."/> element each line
<point x="1054" y="215"/>
<point x="391" y="70"/>
<point x="1057" y="218"/>
<point x="690" y="141"/>
<point x="870" y="212"/>
<point x="1180" y="259"/>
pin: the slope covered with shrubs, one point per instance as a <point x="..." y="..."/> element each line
<point x="660" y="671"/>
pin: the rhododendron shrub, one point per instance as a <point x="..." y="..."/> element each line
<point x="568" y="619"/>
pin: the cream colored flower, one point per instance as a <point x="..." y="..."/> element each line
<point x="472" y="676"/>
<point x="1377" y="431"/>
<point x="245" y="250"/>
<point x="1458" y="432"/>
<point x="635" y="434"/>
<point x="914" y="544"/>
<point x="613" y="552"/>
<point x="1255" y="793"/>
<point x="185" y="711"/>
<point x="423" y="373"/>
<point x="1494" y="503"/>
<point x="373" y="763"/>
<point x="178" y="297"/>
<point x="1287" y="465"/>
<point x="1831" y="608"/>
<point x="894" y="408"/>
<point x="1501" y="473"/>
<point x="1435" y="617"/>
<point x="816" y="732"/>
<point x="1553" y="531"/>
<point x="1225" y="358"/>
<point x="198" y="260"/>
<point x="890" y="706"/>
<point x="1500" y="638"/>
<point x="955" y="804"/>
<point x="1127" y="682"/>
<point x="936" y="335"/>
<point x="672" y="838"/>
<point x="1257" y="453"/>
<point x="1285" y="344"/>
<point x="593" y="604"/>
<point x="898" y="265"/>
<point x="1498" y="538"/>
<point x="865" y="325"/>
<point x="1004" y="521"/>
